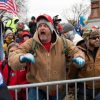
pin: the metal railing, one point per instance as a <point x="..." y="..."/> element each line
<point x="56" y="83"/>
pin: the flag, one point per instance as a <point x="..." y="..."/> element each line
<point x="78" y="28"/>
<point x="9" y="6"/>
<point x="83" y="21"/>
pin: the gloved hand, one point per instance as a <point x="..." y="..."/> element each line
<point x="27" y="58"/>
<point x="79" y="61"/>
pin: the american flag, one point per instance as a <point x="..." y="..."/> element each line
<point x="9" y="6"/>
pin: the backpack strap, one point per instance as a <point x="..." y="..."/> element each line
<point x="35" y="45"/>
<point x="66" y="52"/>
<point x="9" y="70"/>
<point x="65" y="46"/>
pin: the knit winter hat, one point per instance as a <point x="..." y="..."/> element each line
<point x="94" y="33"/>
<point x="67" y="27"/>
<point x="8" y="32"/>
<point x="91" y="33"/>
<point x="44" y="21"/>
<point x="25" y="33"/>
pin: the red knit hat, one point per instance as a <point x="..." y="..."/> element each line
<point x="25" y="33"/>
<point x="45" y="19"/>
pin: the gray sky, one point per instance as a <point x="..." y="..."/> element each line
<point x="51" y="7"/>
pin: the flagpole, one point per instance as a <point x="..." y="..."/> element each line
<point x="2" y="55"/>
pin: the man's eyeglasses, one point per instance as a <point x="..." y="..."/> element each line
<point x="94" y="38"/>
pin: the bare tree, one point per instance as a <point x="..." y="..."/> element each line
<point x="22" y="9"/>
<point x="73" y="14"/>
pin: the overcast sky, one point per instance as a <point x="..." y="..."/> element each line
<point x="51" y="7"/>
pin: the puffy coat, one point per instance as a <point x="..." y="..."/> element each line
<point x="49" y="66"/>
<point x="14" y="78"/>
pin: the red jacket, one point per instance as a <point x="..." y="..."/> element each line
<point x="14" y="78"/>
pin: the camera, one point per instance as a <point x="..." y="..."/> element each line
<point x="56" y="20"/>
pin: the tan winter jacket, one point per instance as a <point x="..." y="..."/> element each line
<point x="91" y="69"/>
<point x="49" y="66"/>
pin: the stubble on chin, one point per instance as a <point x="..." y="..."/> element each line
<point x="43" y="38"/>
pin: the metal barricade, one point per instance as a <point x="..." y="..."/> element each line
<point x="57" y="83"/>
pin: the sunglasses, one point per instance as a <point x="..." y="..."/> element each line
<point x="94" y="38"/>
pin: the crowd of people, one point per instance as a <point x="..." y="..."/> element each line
<point x="39" y="52"/>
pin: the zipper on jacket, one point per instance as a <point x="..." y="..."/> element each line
<point x="48" y="55"/>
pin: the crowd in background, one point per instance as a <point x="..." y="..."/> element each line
<point x="15" y="33"/>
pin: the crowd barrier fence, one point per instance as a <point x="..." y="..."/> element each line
<point x="57" y="83"/>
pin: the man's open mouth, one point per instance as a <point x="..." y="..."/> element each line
<point x="42" y="33"/>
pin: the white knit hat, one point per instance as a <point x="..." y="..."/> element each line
<point x="8" y="32"/>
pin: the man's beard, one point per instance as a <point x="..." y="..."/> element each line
<point x="43" y="38"/>
<point x="96" y="44"/>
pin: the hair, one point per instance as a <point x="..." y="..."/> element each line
<point x="12" y="44"/>
<point x="32" y="18"/>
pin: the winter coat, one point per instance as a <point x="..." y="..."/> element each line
<point x="49" y="66"/>
<point x="14" y="78"/>
<point x="32" y="26"/>
<point x="11" y="24"/>
<point x="6" y="43"/>
<point x="91" y="69"/>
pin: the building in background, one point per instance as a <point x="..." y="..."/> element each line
<point x="94" y="18"/>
